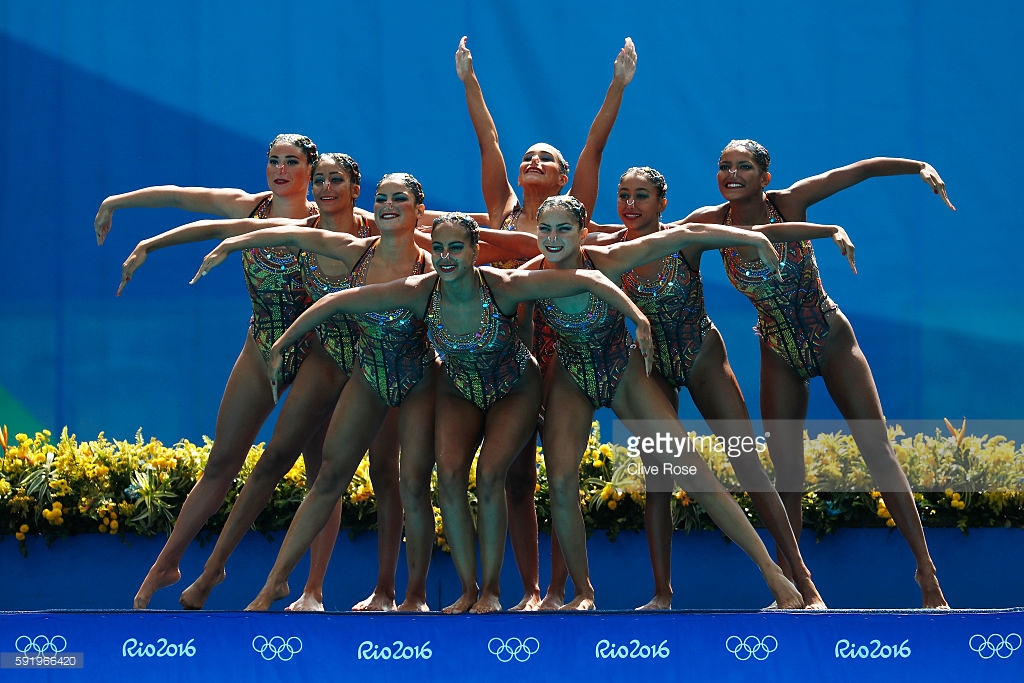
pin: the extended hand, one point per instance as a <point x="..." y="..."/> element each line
<point x="135" y="259"/>
<point x="931" y="176"/>
<point x="625" y="63"/>
<point x="463" y="60"/>
<point x="766" y="252"/>
<point x="646" y="344"/>
<point x="212" y="260"/>
<point x="274" y="369"/>
<point x="101" y="224"/>
<point x="846" y="247"/>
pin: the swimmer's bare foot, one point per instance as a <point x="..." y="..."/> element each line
<point x="156" y="579"/>
<point x="786" y="594"/>
<point x="656" y="603"/>
<point x="551" y="601"/>
<point x="270" y="593"/>
<point x="488" y="602"/>
<point x="579" y="603"/>
<point x="465" y="601"/>
<point x="377" y="601"/>
<point x="307" y="602"/>
<point x="931" y="594"/>
<point x="808" y="591"/>
<point x="414" y="604"/>
<point x="529" y="603"/>
<point x="194" y="597"/>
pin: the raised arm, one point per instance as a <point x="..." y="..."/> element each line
<point x="811" y="190"/>
<point x="588" y="168"/>
<point x="410" y="292"/>
<point x="226" y="202"/>
<point x="530" y="285"/>
<point x="499" y="195"/>
<point x="196" y="231"/>
<point x="337" y="245"/>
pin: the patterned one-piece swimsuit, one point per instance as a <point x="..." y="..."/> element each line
<point x="338" y="334"/>
<point x="278" y="297"/>
<point x="483" y="365"/>
<point x="543" y="338"/>
<point x="793" y="316"/>
<point x="393" y="347"/>
<point x="674" y="304"/>
<point x="592" y="345"/>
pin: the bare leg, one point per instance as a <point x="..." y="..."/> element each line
<point x="717" y="395"/>
<point x="637" y="401"/>
<point x="307" y="405"/>
<point x="784" y="398"/>
<point x="384" y="477"/>
<point x="565" y="441"/>
<point x="355" y="422"/>
<point x="246" y="404"/>
<point x="312" y="598"/>
<point x="520" y="494"/>
<point x="658" y="519"/>
<point x="458" y="435"/>
<point x="554" y="596"/>
<point x="510" y="423"/>
<point x="852" y="387"/>
<point x="416" y="435"/>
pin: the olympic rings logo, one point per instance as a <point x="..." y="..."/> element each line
<point x="513" y="648"/>
<point x="277" y="647"/>
<point x="751" y="646"/>
<point x="40" y="644"/>
<point x="995" y="645"/>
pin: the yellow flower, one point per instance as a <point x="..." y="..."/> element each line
<point x="102" y="528"/>
<point x="20" y="536"/>
<point x="876" y="495"/>
<point x="949" y="493"/>
<point x="113" y="525"/>
<point x="607" y="492"/>
<point x="599" y="463"/>
<point x="23" y="528"/>
<point x="612" y="504"/>
<point x="890" y="522"/>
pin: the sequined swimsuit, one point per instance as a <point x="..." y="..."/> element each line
<point x="793" y="316"/>
<point x="393" y="348"/>
<point x="278" y="297"/>
<point x="339" y="334"/>
<point x="483" y="365"/>
<point x="543" y="338"/>
<point x="674" y="304"/>
<point x="592" y="345"/>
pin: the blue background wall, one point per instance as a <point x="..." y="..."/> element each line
<point x="104" y="97"/>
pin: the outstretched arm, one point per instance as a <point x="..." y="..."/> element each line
<point x="499" y="196"/>
<point x="226" y="202"/>
<point x="588" y="167"/>
<point x="628" y="255"/>
<point x="789" y="232"/>
<point x="337" y="245"/>
<point x="530" y="285"/>
<point x="195" y="232"/>
<point x="496" y="245"/>
<point x="811" y="190"/>
<point x="410" y="292"/>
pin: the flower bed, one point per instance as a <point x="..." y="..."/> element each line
<point x="54" y="489"/>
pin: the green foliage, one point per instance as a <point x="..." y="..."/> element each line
<point x="116" y="487"/>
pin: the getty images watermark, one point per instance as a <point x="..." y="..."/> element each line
<point x="934" y="455"/>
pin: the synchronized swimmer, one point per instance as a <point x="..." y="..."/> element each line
<point x="381" y="338"/>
